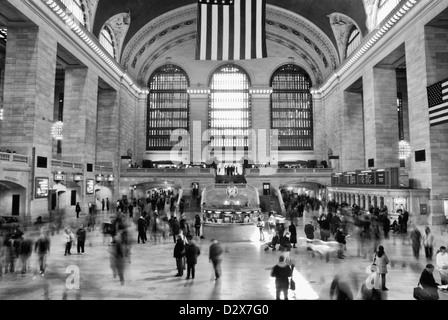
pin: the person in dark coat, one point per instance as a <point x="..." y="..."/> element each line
<point x="81" y="239"/>
<point x="340" y="289"/>
<point x="175" y="228"/>
<point x="309" y="233"/>
<point x="26" y="249"/>
<point x="416" y="241"/>
<point x="281" y="272"/>
<point x="141" y="226"/>
<point x="324" y="226"/>
<point x="340" y="238"/>
<point x="428" y="282"/>
<point x="77" y="209"/>
<point x="179" y="252"/>
<point x="191" y="253"/>
<point x="293" y="231"/>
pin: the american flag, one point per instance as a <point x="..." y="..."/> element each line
<point x="231" y="30"/>
<point x="438" y="103"/>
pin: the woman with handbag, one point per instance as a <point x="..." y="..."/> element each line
<point x="381" y="260"/>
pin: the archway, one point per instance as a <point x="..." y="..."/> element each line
<point x="12" y="200"/>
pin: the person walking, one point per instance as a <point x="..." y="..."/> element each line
<point x="107" y="204"/>
<point x="442" y="264"/>
<point x="428" y="242"/>
<point x="381" y="260"/>
<point x="192" y="252"/>
<point x="416" y="241"/>
<point x="215" y="257"/>
<point x="42" y="248"/>
<point x="197" y="225"/>
<point x="340" y="236"/>
<point x="77" y="209"/>
<point x="293" y="231"/>
<point x="80" y="239"/>
<point x="309" y="233"/>
<point x="281" y="272"/>
<point x="179" y="252"/>
<point x="141" y="227"/>
<point x="103" y="204"/>
<point x="260" y="226"/>
<point x="69" y="237"/>
<point x="26" y="249"/>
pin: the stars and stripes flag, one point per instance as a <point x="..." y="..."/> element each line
<point x="231" y="30"/>
<point x="438" y="103"/>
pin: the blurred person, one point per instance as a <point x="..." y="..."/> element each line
<point x="141" y="227"/>
<point x="10" y="253"/>
<point x="175" y="228"/>
<point x="179" y="253"/>
<point x="281" y="272"/>
<point x="442" y="264"/>
<point x="117" y="259"/>
<point x="370" y="288"/>
<point x="275" y="240"/>
<point x="77" y="209"/>
<point x="428" y="282"/>
<point x="324" y="225"/>
<point x="42" y="248"/>
<point x="428" y="242"/>
<point x="26" y="249"/>
<point x="80" y="239"/>
<point x="416" y="241"/>
<point x="192" y="252"/>
<point x="340" y="289"/>
<point x="215" y="257"/>
<point x="260" y="226"/>
<point x="381" y="260"/>
<point x="272" y="223"/>
<point x="293" y="231"/>
<point x="309" y="233"/>
<point x="285" y="243"/>
<point x="68" y="237"/>
<point x="340" y="236"/>
<point x="197" y="225"/>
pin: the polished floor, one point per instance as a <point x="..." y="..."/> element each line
<point x="246" y="271"/>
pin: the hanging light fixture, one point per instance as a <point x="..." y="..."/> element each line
<point x="56" y="130"/>
<point x="404" y="149"/>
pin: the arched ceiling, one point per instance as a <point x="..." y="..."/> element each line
<point x="144" y="11"/>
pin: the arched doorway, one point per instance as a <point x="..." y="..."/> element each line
<point x="12" y="200"/>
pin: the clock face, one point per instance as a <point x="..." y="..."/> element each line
<point x="232" y="191"/>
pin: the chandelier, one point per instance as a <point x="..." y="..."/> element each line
<point x="56" y="130"/>
<point x="404" y="149"/>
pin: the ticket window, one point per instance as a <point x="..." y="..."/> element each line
<point x="266" y="189"/>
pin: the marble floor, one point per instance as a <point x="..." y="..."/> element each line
<point x="245" y="272"/>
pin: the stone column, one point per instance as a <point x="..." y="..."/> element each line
<point x="352" y="158"/>
<point x="199" y="115"/>
<point x="107" y="132"/>
<point x="426" y="66"/>
<point x="261" y="119"/>
<point x="80" y="115"/>
<point x="381" y="117"/>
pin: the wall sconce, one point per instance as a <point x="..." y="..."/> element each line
<point x="58" y="176"/>
<point x="78" y="177"/>
<point x="111" y="178"/>
<point x="99" y="178"/>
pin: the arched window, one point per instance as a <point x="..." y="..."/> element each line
<point x="106" y="40"/>
<point x="77" y="8"/>
<point x="292" y="108"/>
<point x="229" y="108"/>
<point x="354" y="40"/>
<point x="168" y="106"/>
<point x="384" y="8"/>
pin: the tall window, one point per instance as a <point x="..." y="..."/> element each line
<point x="106" y="40"/>
<point x="384" y="8"/>
<point x="229" y="108"/>
<point x="354" y="40"/>
<point x="3" y="34"/>
<point x="292" y="108"/>
<point x="168" y="106"/>
<point x="77" y="8"/>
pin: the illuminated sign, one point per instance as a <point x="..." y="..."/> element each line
<point x="89" y="186"/>
<point x="41" y="188"/>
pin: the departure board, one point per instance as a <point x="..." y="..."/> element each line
<point x="370" y="178"/>
<point x="380" y="177"/>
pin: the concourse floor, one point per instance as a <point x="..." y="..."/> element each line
<point x="245" y="271"/>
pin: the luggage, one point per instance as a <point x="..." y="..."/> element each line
<point x="422" y="294"/>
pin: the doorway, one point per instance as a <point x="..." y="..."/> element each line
<point x="15" y="204"/>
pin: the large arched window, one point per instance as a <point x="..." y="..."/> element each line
<point x="229" y="108"/>
<point x="106" y="40"/>
<point x="78" y="9"/>
<point x="168" y="106"/>
<point x="354" y="40"/>
<point x="292" y="108"/>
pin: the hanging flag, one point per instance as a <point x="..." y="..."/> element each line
<point x="231" y="30"/>
<point x="438" y="103"/>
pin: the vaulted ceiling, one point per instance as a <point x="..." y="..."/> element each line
<point x="144" y="11"/>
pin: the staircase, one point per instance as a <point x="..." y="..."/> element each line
<point x="271" y="203"/>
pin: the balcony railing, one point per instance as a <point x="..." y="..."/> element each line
<point x="13" y="157"/>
